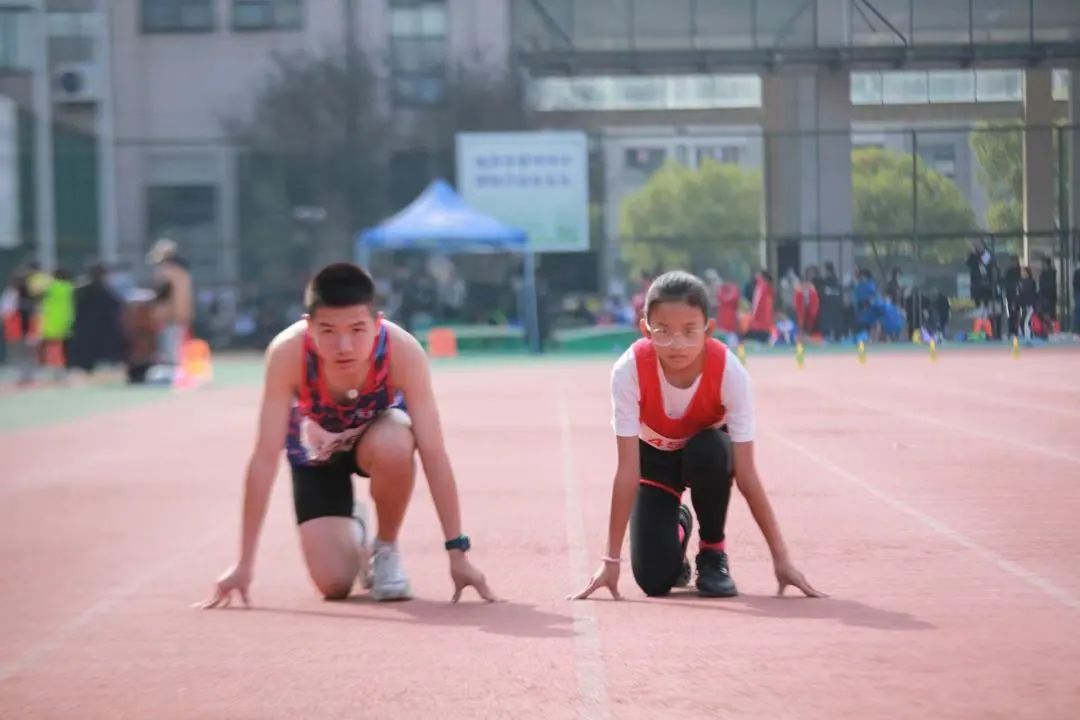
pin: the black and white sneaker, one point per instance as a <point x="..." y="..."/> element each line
<point x="713" y="576"/>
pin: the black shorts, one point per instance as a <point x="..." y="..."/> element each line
<point x="662" y="466"/>
<point x="665" y="467"/>
<point x="325" y="490"/>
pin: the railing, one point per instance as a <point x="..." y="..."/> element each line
<point x="781" y="31"/>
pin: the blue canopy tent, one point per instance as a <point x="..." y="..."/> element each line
<point x="440" y="220"/>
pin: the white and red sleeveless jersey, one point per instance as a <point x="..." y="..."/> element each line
<point x="706" y="407"/>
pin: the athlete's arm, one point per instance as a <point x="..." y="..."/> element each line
<point x="273" y="425"/>
<point x="626" y="422"/>
<point x="623" y="492"/>
<point x="281" y="371"/>
<point x="749" y="483"/>
<point x="409" y="372"/>
<point x="738" y="399"/>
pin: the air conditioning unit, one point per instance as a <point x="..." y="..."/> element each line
<point x="75" y="83"/>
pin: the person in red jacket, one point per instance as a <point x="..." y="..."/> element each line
<point x="807" y="304"/>
<point x="727" y="308"/>
<point x="683" y="417"/>
<point x="761" y="308"/>
<point x="638" y="298"/>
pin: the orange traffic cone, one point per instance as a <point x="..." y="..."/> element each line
<point x="442" y="342"/>
<point x="196" y="366"/>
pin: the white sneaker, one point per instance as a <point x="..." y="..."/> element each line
<point x="389" y="582"/>
<point x="363" y="542"/>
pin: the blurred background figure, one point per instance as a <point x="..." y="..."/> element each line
<point x="98" y="335"/>
<point x="1048" y="293"/>
<point x="761" y="308"/>
<point x="727" y="310"/>
<point x="807" y="305"/>
<point x="1010" y="288"/>
<point x="1076" y="296"/>
<point x="1029" y="303"/>
<point x="140" y="328"/>
<point x="174" y="300"/>
<point x="57" y="320"/>
<point x="19" y="307"/>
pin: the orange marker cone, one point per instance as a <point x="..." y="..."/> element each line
<point x="442" y="342"/>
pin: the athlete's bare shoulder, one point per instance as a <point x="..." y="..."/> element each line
<point x="399" y="336"/>
<point x="284" y="355"/>
<point x="407" y="356"/>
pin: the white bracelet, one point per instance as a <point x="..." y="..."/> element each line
<point x="615" y="560"/>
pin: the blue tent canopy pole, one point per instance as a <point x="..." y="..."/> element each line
<point x="532" y="302"/>
<point x="438" y="219"/>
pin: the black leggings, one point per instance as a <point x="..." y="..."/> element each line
<point x="704" y="466"/>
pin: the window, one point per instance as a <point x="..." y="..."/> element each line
<point x="268" y="15"/>
<point x="935" y="86"/>
<point x="873" y="141"/>
<point x="655" y="92"/>
<point x="905" y="88"/>
<point x="866" y="88"/>
<point x="999" y="85"/>
<point x="177" y="16"/>
<point x="952" y="87"/>
<point x="941" y="158"/>
<point x="1061" y="81"/>
<point x="418" y="30"/>
<point x="640" y="92"/>
<point x="188" y="214"/>
<point x="645" y="159"/>
<point x="724" y="154"/>
<point x="15" y="37"/>
<point x="73" y="24"/>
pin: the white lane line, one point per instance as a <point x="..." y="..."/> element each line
<point x="589" y="656"/>
<point x="1015" y="569"/>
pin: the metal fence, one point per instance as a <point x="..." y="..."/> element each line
<point x="253" y="223"/>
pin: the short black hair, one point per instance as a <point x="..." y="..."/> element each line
<point x="339" y="285"/>
<point x="678" y="286"/>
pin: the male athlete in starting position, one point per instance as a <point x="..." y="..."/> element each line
<point x="337" y="387"/>
<point x="683" y="418"/>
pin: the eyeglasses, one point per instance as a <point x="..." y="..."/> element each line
<point x="666" y="338"/>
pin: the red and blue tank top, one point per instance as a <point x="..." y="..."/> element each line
<point x="319" y="426"/>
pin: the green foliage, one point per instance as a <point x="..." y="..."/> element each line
<point x="1000" y="152"/>
<point x="710" y="217"/>
<point x="884" y="195"/>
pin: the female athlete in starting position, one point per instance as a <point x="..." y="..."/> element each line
<point x="684" y="418"/>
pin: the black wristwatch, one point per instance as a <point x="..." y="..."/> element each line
<point x="461" y="542"/>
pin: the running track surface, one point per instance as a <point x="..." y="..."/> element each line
<point x="936" y="502"/>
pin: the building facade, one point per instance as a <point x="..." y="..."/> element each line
<point x="649" y="84"/>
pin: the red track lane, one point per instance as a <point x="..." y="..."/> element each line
<point x="950" y="556"/>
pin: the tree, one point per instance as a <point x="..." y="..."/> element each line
<point x="475" y="99"/>
<point x="323" y="155"/>
<point x="883" y="196"/>
<point x="297" y="163"/>
<point x="999" y="148"/>
<point x="708" y="217"/>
